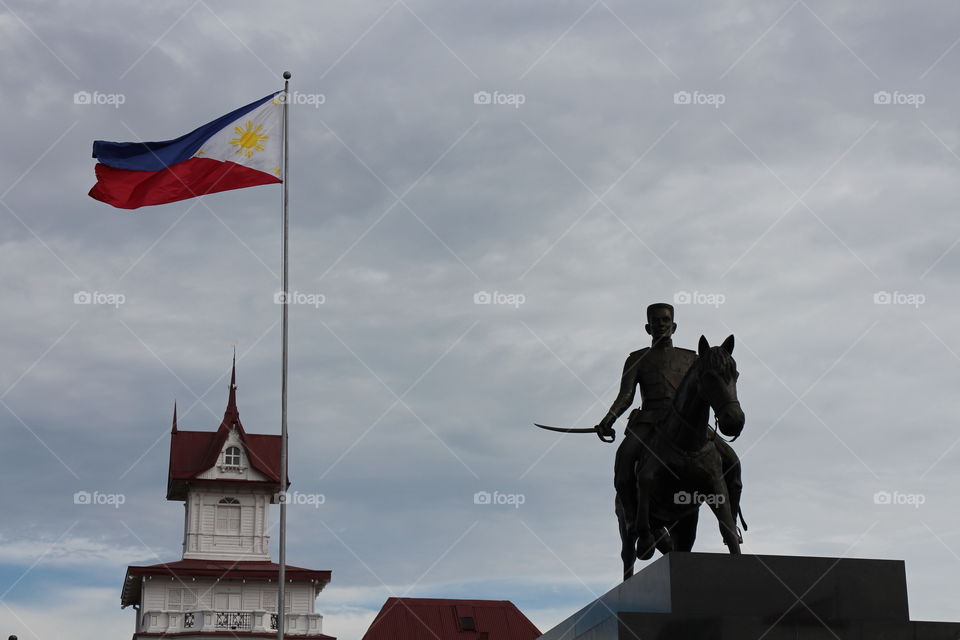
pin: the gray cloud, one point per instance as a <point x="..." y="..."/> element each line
<point x="797" y="199"/>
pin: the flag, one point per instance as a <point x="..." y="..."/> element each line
<point x="240" y="149"/>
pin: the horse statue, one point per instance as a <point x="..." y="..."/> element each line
<point x="683" y="467"/>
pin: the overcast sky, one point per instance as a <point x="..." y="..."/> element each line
<point x="786" y="169"/>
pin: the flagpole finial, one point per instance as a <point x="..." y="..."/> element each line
<point x="287" y="75"/>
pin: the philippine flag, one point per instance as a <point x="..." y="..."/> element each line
<point x="241" y="149"/>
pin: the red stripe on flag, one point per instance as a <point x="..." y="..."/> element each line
<point x="126" y="189"/>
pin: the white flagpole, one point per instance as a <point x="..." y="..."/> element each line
<point x="281" y="601"/>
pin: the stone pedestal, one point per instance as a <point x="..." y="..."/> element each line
<point x="705" y="596"/>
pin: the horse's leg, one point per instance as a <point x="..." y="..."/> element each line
<point x="664" y="538"/>
<point x="627" y="542"/>
<point x="684" y="532"/>
<point x="719" y="502"/>
<point x="731" y="475"/>
<point x="626" y="503"/>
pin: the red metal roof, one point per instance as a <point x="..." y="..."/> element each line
<point x="446" y="619"/>
<point x="193" y="452"/>
<point x="222" y="569"/>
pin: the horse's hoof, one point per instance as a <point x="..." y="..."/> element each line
<point x="645" y="547"/>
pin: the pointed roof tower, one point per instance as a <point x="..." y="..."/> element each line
<point x="194" y="452"/>
<point x="231" y="415"/>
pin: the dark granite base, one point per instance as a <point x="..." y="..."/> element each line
<point x="703" y="596"/>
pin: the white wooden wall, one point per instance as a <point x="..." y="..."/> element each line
<point x="202" y="539"/>
<point x="253" y="595"/>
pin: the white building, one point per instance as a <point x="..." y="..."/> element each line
<point x="225" y="582"/>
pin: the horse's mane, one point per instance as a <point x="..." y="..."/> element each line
<point x="719" y="360"/>
<point x="716" y="359"/>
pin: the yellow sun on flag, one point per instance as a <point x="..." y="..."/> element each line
<point x="248" y="140"/>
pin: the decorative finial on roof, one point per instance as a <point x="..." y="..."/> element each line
<point x="231" y="417"/>
<point x="174" y="429"/>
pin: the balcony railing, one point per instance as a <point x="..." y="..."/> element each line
<point x="234" y="620"/>
<point x="208" y="620"/>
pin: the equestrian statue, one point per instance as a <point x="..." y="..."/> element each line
<point x="670" y="461"/>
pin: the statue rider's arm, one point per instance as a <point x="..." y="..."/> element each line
<point x="628" y="389"/>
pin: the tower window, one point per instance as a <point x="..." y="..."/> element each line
<point x="181" y="600"/>
<point x="231" y="457"/>
<point x="228" y="516"/>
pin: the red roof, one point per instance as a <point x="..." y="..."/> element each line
<point x="222" y="569"/>
<point x="443" y="619"/>
<point x="193" y="452"/>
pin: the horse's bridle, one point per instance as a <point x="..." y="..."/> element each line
<point x="716" y="421"/>
<point x="716" y="417"/>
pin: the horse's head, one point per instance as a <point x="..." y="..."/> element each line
<point x="717" y="376"/>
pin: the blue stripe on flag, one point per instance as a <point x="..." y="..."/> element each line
<point x="154" y="156"/>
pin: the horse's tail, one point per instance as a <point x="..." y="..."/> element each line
<point x="742" y="521"/>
